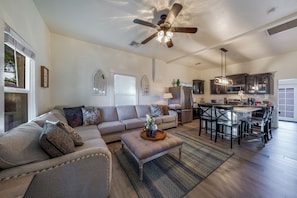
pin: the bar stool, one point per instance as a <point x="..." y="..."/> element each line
<point x="258" y="126"/>
<point x="206" y="115"/>
<point x="226" y="118"/>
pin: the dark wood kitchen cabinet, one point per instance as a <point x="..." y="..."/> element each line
<point x="217" y="89"/>
<point x="198" y="86"/>
<point x="259" y="84"/>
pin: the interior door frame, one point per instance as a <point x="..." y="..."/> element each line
<point x="288" y="83"/>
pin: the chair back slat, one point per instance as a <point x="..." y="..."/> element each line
<point x="206" y="110"/>
<point x="224" y="113"/>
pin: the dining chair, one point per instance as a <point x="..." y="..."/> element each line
<point x="206" y="116"/>
<point x="227" y="119"/>
<point x="260" y="124"/>
<point x="268" y="126"/>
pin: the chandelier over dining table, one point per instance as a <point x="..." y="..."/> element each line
<point x="223" y="80"/>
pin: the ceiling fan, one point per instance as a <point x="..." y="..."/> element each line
<point x="164" y="26"/>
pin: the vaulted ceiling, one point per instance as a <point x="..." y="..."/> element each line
<point x="240" y="26"/>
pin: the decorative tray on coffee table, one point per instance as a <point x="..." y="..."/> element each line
<point x="160" y="135"/>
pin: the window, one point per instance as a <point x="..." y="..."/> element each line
<point x="18" y="80"/>
<point x="124" y="89"/>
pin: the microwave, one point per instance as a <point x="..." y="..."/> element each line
<point x="234" y="89"/>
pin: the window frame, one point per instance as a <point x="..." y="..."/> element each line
<point x="30" y="81"/>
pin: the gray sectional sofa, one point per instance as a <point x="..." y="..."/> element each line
<point x="27" y="170"/>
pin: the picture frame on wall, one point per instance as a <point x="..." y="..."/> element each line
<point x="44" y="74"/>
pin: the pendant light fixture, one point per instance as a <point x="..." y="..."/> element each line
<point x="223" y="80"/>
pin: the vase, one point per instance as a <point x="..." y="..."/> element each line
<point x="151" y="130"/>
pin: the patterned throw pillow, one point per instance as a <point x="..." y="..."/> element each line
<point x="156" y="110"/>
<point x="73" y="134"/>
<point x="74" y="116"/>
<point x="91" y="116"/>
<point x="165" y="109"/>
<point x="55" y="141"/>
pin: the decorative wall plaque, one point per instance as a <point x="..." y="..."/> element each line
<point x="99" y="83"/>
<point x="145" y="85"/>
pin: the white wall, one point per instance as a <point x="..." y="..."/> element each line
<point x="74" y="63"/>
<point x="24" y="18"/>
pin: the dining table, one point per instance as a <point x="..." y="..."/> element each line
<point x="242" y="113"/>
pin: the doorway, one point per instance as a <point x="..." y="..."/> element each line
<point x="287" y="104"/>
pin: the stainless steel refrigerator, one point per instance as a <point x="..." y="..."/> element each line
<point x="182" y="102"/>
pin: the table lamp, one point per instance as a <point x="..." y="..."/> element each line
<point x="167" y="96"/>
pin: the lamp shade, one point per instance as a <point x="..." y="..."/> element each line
<point x="167" y="95"/>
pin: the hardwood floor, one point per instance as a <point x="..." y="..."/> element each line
<point x="253" y="170"/>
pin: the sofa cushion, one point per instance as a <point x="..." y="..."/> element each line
<point x="168" y="118"/>
<point x="88" y="132"/>
<point x="40" y="120"/>
<point x="110" y="127"/>
<point x="158" y="120"/>
<point x="20" y="146"/>
<point x="59" y="114"/>
<point x="156" y="110"/>
<point x="108" y="114"/>
<point x="93" y="143"/>
<point x="142" y="110"/>
<point x="133" y="123"/>
<point x="55" y="141"/>
<point x="77" y="140"/>
<point x="74" y="116"/>
<point x="126" y="112"/>
<point x="91" y="116"/>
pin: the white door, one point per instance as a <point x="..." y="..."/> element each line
<point x="287" y="103"/>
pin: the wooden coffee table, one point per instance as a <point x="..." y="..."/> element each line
<point x="146" y="150"/>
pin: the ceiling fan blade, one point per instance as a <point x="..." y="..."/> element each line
<point x="169" y="43"/>
<point x="145" y="23"/>
<point x="176" y="8"/>
<point x="184" y="29"/>
<point x="149" y="38"/>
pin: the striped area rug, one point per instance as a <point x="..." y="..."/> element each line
<point x="169" y="177"/>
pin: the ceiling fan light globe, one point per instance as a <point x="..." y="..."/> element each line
<point x="169" y="34"/>
<point x="166" y="39"/>
<point x="161" y="33"/>
<point x="159" y="38"/>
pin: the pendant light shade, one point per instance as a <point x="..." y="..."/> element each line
<point x="223" y="80"/>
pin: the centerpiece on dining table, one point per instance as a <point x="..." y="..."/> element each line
<point x="150" y="126"/>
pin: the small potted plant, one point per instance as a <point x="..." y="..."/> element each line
<point x="177" y="82"/>
<point x="150" y="126"/>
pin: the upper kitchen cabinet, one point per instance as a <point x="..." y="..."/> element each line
<point x="198" y="86"/>
<point x="259" y="84"/>
<point x="239" y="83"/>
<point x="238" y="79"/>
<point x="217" y="89"/>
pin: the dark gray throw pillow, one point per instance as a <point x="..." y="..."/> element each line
<point x="55" y="141"/>
<point x="156" y="110"/>
<point x="74" y="116"/>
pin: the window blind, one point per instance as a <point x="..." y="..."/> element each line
<point x="13" y="39"/>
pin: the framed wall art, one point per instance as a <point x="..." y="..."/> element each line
<point x="44" y="74"/>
